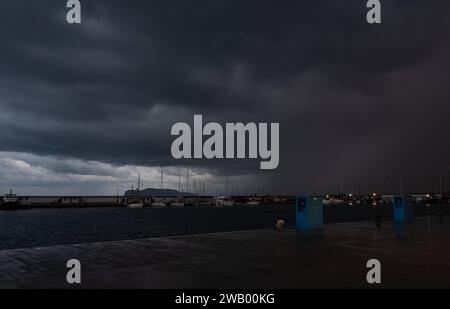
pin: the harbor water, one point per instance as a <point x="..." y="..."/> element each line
<point x="50" y="227"/>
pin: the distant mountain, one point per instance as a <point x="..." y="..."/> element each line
<point x="156" y="192"/>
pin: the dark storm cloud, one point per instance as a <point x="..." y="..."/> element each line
<point x="357" y="103"/>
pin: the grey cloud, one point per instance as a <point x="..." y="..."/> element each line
<point x="352" y="99"/>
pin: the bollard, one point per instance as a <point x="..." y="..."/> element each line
<point x="280" y="225"/>
<point x="403" y="211"/>
<point x="309" y="212"/>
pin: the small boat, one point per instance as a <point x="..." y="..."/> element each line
<point x="333" y="201"/>
<point x="177" y="203"/>
<point x="160" y="204"/>
<point x="135" y="204"/>
<point x="224" y="201"/>
<point x="11" y="198"/>
<point x="252" y="203"/>
<point x="12" y="202"/>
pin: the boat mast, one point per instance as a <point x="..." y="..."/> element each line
<point x="179" y="181"/>
<point x="162" y="180"/>
<point x="139" y="184"/>
<point x="226" y="185"/>
<point x="187" y="180"/>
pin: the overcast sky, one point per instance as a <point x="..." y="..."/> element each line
<point x="84" y="108"/>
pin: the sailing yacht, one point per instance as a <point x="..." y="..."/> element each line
<point x="224" y="201"/>
<point x="136" y="203"/>
<point x="253" y="203"/>
<point x="160" y="203"/>
<point x="179" y="202"/>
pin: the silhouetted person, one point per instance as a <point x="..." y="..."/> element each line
<point x="378" y="220"/>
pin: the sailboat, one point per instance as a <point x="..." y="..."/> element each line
<point x="180" y="200"/>
<point x="223" y="201"/>
<point x="136" y="203"/>
<point x="160" y="203"/>
<point x="253" y="203"/>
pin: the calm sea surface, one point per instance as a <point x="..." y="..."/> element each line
<point x="48" y="227"/>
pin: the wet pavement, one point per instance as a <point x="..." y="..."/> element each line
<point x="412" y="256"/>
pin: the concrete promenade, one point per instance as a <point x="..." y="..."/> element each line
<point x="412" y="256"/>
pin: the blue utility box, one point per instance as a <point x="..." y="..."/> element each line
<point x="309" y="212"/>
<point x="403" y="211"/>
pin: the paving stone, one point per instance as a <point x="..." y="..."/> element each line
<point x="333" y="257"/>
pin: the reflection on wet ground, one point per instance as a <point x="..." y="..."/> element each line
<point x="412" y="256"/>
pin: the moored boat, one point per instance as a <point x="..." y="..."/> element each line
<point x="177" y="203"/>
<point x="12" y="202"/>
<point x="160" y="204"/>
<point x="224" y="201"/>
<point x="135" y="204"/>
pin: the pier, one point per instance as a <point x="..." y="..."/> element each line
<point x="146" y="200"/>
<point x="412" y="256"/>
<point x="209" y="200"/>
